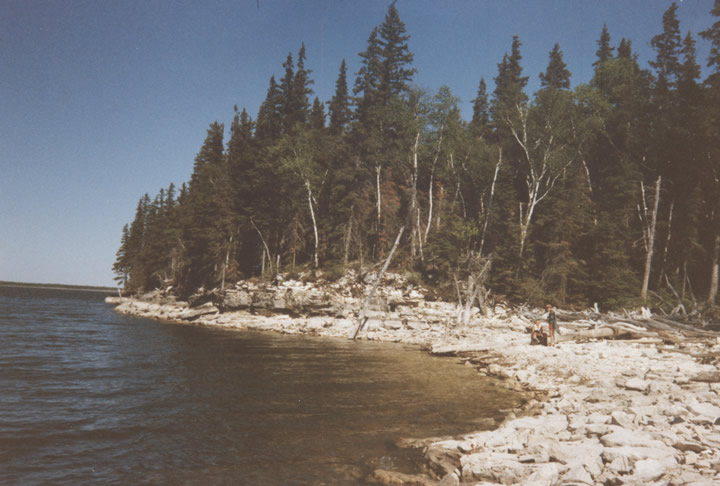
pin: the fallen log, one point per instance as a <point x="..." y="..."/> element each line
<point x="614" y="332"/>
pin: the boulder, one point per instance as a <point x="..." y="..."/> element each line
<point x="647" y="470"/>
<point x="577" y="474"/>
<point x="637" y="384"/>
<point x="633" y="438"/>
<point x="622" y="419"/>
<point x="705" y="410"/>
<point x="543" y="475"/>
<point x="442" y="461"/>
<point x="236" y="299"/>
<point x="631" y="455"/>
<point x="494" y="467"/>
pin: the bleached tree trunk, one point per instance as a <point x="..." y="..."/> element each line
<point x="541" y="176"/>
<point x="430" y="189"/>
<point x="414" y="210"/>
<point x="667" y="244"/>
<point x="650" y="237"/>
<point x="492" y="193"/>
<point x="266" y="250"/>
<point x="314" y="222"/>
<point x="225" y="264"/>
<point x="479" y="270"/>
<point x="715" y="272"/>
<point x="379" y="198"/>
<point x="361" y="317"/>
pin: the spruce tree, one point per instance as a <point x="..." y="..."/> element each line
<point x="270" y="115"/>
<point x="122" y="266"/>
<point x="207" y="237"/>
<point x="396" y="73"/>
<point x="339" y="105"/>
<point x="301" y="89"/>
<point x="557" y="75"/>
<point x="317" y="115"/>
<point x="480" y="123"/>
<point x="667" y="45"/>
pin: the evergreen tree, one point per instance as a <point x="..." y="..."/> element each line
<point x="367" y="79"/>
<point x="668" y="45"/>
<point x="244" y="177"/>
<point x="556" y="76"/>
<point x="270" y="115"/>
<point x="301" y="89"/>
<point x="122" y="266"/>
<point x="396" y="57"/>
<point x="339" y="105"/>
<point x="604" y="51"/>
<point x="625" y="49"/>
<point x="317" y="115"/>
<point x="604" y="54"/>
<point x="509" y="87"/>
<point x="208" y="236"/>
<point x="480" y="124"/>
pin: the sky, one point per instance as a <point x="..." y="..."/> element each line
<point x="102" y="101"/>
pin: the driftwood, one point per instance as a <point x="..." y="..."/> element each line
<point x="606" y="331"/>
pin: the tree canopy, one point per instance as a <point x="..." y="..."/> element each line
<point x="606" y="192"/>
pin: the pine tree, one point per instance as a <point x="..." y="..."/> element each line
<point x="557" y="75"/>
<point x="367" y="79"/>
<point x="317" y="115"/>
<point x="509" y="87"/>
<point x="122" y="266"/>
<point x="604" y="51"/>
<point x="270" y="115"/>
<point x="625" y="49"/>
<point x="395" y="71"/>
<point x="339" y="105"/>
<point x="667" y="45"/>
<point x="301" y="89"/>
<point x="480" y="124"/>
<point x="208" y="235"/>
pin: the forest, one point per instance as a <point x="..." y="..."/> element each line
<point x="607" y="194"/>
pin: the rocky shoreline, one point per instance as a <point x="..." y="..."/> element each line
<point x="612" y="412"/>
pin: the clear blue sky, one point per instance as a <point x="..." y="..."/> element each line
<point x="102" y="101"/>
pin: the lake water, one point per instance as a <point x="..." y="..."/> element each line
<point x="88" y="396"/>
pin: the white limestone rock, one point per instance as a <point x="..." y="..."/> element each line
<point x="494" y="467"/>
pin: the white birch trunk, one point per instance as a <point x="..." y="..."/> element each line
<point x="379" y="205"/>
<point x="314" y="221"/>
<point x="650" y="241"/>
<point x="414" y="213"/>
<point x="492" y="192"/>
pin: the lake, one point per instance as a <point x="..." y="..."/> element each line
<point x="88" y="396"/>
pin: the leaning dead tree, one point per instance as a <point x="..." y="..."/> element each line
<point x="362" y="319"/>
<point x="473" y="288"/>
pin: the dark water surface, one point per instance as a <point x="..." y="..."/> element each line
<point x="91" y="397"/>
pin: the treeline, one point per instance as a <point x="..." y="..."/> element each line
<point x="607" y="193"/>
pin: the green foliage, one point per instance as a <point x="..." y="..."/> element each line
<point x="548" y="187"/>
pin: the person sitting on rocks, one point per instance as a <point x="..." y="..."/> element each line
<point x="537" y="335"/>
<point x="552" y="323"/>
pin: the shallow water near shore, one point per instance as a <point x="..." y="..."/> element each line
<point x="90" y="396"/>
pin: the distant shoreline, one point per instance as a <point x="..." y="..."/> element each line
<point x="52" y="286"/>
